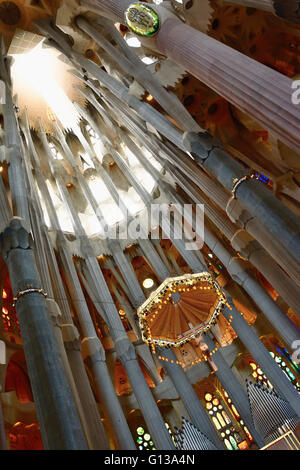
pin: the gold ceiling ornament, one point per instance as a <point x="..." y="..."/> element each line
<point x="180" y="309"/>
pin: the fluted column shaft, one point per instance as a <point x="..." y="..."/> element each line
<point x="159" y="267"/>
<point x="96" y="433"/>
<point x="128" y="273"/>
<point x="189" y="398"/>
<point x="104" y="387"/>
<point x="245" y="245"/>
<point x="94" y="355"/>
<point x="59" y="423"/>
<point x="244" y="82"/>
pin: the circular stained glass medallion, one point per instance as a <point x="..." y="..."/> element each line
<point x="142" y="20"/>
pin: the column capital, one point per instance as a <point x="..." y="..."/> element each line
<point x="125" y="349"/>
<point x="71" y="337"/>
<point x="86" y="248"/>
<point x="236" y="213"/>
<point x="53" y="311"/>
<point x="238" y="269"/>
<point x="61" y="241"/>
<point x="201" y="143"/>
<point x="244" y="244"/>
<point x="15" y="235"/>
<point x="92" y="347"/>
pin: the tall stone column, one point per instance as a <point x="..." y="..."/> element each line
<point x="127" y="273"/>
<point x="244" y="244"/>
<point x="130" y="313"/>
<point x="59" y="423"/>
<point x="146" y="401"/>
<point x="262" y="356"/>
<point x="93" y="351"/>
<point x="94" y="355"/>
<point x="127" y="355"/>
<point x="95" y="430"/>
<point x="233" y="388"/>
<point x="241" y="80"/>
<point x="162" y="254"/>
<point x="159" y="267"/>
<point x="47" y="263"/>
<point x="189" y="397"/>
<point x="278" y="221"/>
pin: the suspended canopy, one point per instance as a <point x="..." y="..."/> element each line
<point x="180" y="309"/>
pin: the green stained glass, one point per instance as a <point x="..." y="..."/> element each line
<point x="140" y="431"/>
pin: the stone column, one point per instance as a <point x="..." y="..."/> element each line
<point x="159" y="267"/>
<point x="95" y="431"/>
<point x="262" y="356"/>
<point x="47" y="263"/>
<point x="93" y="349"/>
<point x="146" y="401"/>
<point x="59" y="423"/>
<point x="233" y="388"/>
<point x="163" y="256"/>
<point x="130" y="313"/>
<point x="127" y="355"/>
<point x="280" y="321"/>
<point x="278" y="221"/>
<point x="241" y="80"/>
<point x="94" y="355"/>
<point x="127" y="272"/>
<point x="189" y="398"/>
<point x="244" y="244"/>
<point x="133" y="66"/>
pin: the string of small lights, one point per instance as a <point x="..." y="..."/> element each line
<point x="152" y="307"/>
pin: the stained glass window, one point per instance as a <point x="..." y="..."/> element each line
<point x="285" y="364"/>
<point x="144" y="440"/>
<point x="222" y="422"/>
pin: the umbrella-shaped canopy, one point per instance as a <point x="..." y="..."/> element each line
<point x="180" y="309"/>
